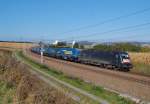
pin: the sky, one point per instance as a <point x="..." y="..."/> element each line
<point x="49" y="20"/>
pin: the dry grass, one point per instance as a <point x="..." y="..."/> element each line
<point x="140" y="57"/>
<point x="141" y="62"/>
<point x="16" y="45"/>
<point x="24" y="87"/>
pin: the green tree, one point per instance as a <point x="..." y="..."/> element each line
<point x="82" y="46"/>
<point x="76" y="45"/>
<point x="122" y="47"/>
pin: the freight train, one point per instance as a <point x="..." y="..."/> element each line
<point x="107" y="59"/>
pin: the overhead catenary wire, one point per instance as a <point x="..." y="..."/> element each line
<point x="107" y="21"/>
<point x="109" y="31"/>
<point x="120" y="37"/>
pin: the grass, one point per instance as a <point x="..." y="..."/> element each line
<point x="19" y="86"/>
<point x="141" y="68"/>
<point x="6" y="93"/>
<point x="111" y="97"/>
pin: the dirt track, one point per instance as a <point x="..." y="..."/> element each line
<point x="90" y="74"/>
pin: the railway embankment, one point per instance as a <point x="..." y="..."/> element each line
<point x="19" y="86"/>
<point x="126" y="84"/>
<point x="91" y="88"/>
<point x="36" y="58"/>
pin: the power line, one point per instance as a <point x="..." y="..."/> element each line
<point x="120" y="37"/>
<point x="110" y="31"/>
<point x="107" y="21"/>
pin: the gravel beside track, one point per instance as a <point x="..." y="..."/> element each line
<point x="126" y="83"/>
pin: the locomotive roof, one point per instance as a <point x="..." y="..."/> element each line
<point x="94" y="50"/>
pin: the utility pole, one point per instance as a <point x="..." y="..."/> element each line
<point x="41" y="56"/>
<point x="41" y="51"/>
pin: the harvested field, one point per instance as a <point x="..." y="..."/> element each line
<point x="16" y="45"/>
<point x="18" y="85"/>
<point x="141" y="62"/>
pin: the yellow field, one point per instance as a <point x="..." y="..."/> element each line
<point x="16" y="45"/>
<point x="140" y="57"/>
<point x="141" y="63"/>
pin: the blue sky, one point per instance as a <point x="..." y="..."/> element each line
<point x="49" y="19"/>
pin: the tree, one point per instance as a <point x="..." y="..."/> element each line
<point x="82" y="46"/>
<point x="122" y="47"/>
<point x="61" y="44"/>
<point x="76" y="45"/>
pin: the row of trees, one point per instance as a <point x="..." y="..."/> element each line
<point x="76" y="45"/>
<point x="122" y="47"/>
<point x="62" y="44"/>
<point x="113" y="47"/>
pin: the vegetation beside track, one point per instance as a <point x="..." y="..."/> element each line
<point x="141" y="68"/>
<point x="111" y="97"/>
<point x="19" y="86"/>
<point x="6" y="93"/>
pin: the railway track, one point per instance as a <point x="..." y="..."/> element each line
<point x="134" y="85"/>
<point x="123" y="75"/>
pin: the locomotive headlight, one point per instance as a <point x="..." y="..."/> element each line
<point x="125" y="61"/>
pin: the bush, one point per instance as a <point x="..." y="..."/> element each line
<point x="122" y="47"/>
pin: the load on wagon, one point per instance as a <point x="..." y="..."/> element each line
<point x="109" y="59"/>
<point x="68" y="54"/>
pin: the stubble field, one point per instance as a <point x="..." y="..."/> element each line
<point x="16" y="45"/>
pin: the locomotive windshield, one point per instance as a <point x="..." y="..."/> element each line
<point x="125" y="58"/>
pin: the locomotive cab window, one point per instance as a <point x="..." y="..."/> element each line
<point x="125" y="56"/>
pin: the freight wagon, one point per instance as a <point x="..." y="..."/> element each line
<point x="51" y="52"/>
<point x="108" y="59"/>
<point x="36" y="50"/>
<point x="68" y="54"/>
